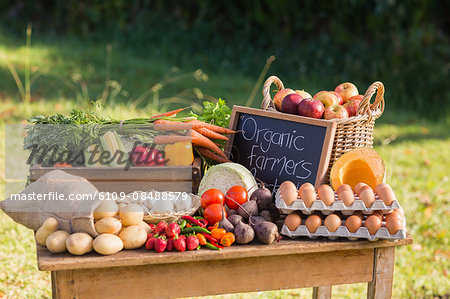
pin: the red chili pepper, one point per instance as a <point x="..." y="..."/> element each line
<point x="215" y="244"/>
<point x="209" y="238"/>
<point x="195" y="221"/>
<point x="168" y="113"/>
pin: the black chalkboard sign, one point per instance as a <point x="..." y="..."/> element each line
<point x="277" y="146"/>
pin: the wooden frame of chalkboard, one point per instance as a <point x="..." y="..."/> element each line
<point x="325" y="128"/>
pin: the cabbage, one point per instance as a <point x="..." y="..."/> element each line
<point x="226" y="175"/>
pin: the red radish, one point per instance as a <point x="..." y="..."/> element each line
<point x="160" y="245"/>
<point x="173" y="230"/>
<point x="169" y="244"/>
<point x="180" y="243"/>
<point x="192" y="242"/>
<point x="150" y="244"/>
<point x="161" y="227"/>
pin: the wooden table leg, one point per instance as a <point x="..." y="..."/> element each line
<point x="383" y="273"/>
<point x="323" y="292"/>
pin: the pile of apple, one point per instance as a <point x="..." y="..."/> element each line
<point x="341" y="103"/>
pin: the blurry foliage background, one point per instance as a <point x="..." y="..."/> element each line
<point x="318" y="44"/>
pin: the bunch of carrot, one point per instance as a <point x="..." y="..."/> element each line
<point x="202" y="135"/>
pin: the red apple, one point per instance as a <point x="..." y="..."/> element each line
<point x="311" y="108"/>
<point x="317" y="94"/>
<point x="352" y="106"/>
<point x="346" y="90"/>
<point x="290" y="103"/>
<point x="279" y="96"/>
<point x="328" y="98"/>
<point x="341" y="100"/>
<point x="357" y="97"/>
<point x="335" y="111"/>
<point x="303" y="93"/>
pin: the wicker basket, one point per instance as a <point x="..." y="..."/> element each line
<point x="168" y="217"/>
<point x="353" y="132"/>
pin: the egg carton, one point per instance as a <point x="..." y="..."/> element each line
<point x="337" y="205"/>
<point x="342" y="232"/>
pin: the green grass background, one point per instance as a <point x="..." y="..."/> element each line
<point x="68" y="73"/>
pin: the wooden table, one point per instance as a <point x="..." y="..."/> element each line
<point x="288" y="264"/>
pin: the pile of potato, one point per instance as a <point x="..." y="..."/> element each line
<point x="118" y="228"/>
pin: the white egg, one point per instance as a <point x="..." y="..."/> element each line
<point x="162" y="206"/>
<point x="183" y="203"/>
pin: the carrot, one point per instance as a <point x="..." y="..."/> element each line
<point x="200" y="124"/>
<point x="200" y="140"/>
<point x="210" y="134"/>
<point x="209" y="154"/>
<point x="167" y="139"/>
<point x="169" y="125"/>
<point x="168" y="113"/>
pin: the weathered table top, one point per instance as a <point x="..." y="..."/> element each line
<point x="53" y="262"/>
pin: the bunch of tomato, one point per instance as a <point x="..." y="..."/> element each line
<point x="213" y="202"/>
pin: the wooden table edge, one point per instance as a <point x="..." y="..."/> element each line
<point x="53" y="262"/>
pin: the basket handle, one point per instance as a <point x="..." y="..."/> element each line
<point x="365" y="107"/>
<point x="267" y="102"/>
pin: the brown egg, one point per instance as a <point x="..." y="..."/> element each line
<point x="386" y="194"/>
<point x="308" y="196"/>
<point x="305" y="186"/>
<point x="286" y="184"/>
<point x="353" y="222"/>
<point x="397" y="213"/>
<point x="381" y="186"/>
<point x="332" y="222"/>
<point x="326" y="194"/>
<point x="393" y="224"/>
<point x="359" y="186"/>
<point x="359" y="214"/>
<point x="379" y="214"/>
<point x="344" y="187"/>
<point x="347" y="197"/>
<point x="293" y="221"/>
<point x="312" y="223"/>
<point x="362" y="189"/>
<point x="367" y="196"/>
<point x="373" y="223"/>
<point x="289" y="194"/>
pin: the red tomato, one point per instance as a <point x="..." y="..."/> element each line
<point x="236" y="196"/>
<point x="62" y="164"/>
<point x="214" y="213"/>
<point x="212" y="196"/>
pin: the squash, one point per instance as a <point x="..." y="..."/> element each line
<point x="356" y="166"/>
<point x="179" y="154"/>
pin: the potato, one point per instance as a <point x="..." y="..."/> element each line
<point x="131" y="214"/>
<point x="133" y="237"/>
<point x="107" y="244"/>
<point x="49" y="226"/>
<point x="79" y="243"/>
<point x="56" y="242"/>
<point x="108" y="225"/>
<point x="107" y="208"/>
<point x="146" y="227"/>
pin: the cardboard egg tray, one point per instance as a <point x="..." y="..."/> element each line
<point x="338" y="205"/>
<point x="342" y="232"/>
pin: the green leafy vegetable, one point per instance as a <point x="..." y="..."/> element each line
<point x="215" y="113"/>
